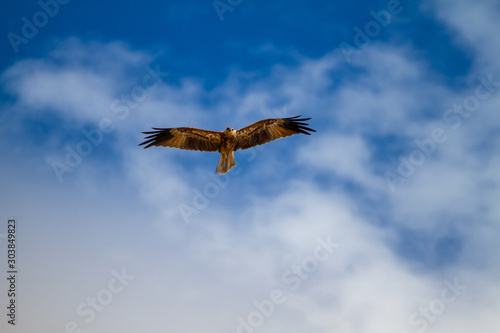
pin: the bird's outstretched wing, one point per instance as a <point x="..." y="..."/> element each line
<point x="189" y="138"/>
<point x="270" y="129"/>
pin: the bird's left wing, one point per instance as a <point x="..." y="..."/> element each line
<point x="270" y="129"/>
<point x="189" y="138"/>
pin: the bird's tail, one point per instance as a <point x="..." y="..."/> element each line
<point x="226" y="162"/>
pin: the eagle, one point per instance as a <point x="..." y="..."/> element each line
<point x="228" y="141"/>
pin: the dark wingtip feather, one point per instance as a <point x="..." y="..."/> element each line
<point x="298" y="125"/>
<point x="150" y="143"/>
<point x="154" y="137"/>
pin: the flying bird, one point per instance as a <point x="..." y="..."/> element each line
<point x="228" y="141"/>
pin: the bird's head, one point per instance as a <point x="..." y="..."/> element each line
<point x="230" y="130"/>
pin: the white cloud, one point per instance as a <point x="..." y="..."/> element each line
<point x="73" y="92"/>
<point x="346" y="156"/>
<point x="476" y="25"/>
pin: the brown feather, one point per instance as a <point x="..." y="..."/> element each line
<point x="189" y="138"/>
<point x="270" y="129"/>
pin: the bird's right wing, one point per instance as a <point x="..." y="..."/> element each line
<point x="189" y="138"/>
<point x="270" y="129"/>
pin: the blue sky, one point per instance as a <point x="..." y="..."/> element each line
<point x="385" y="220"/>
